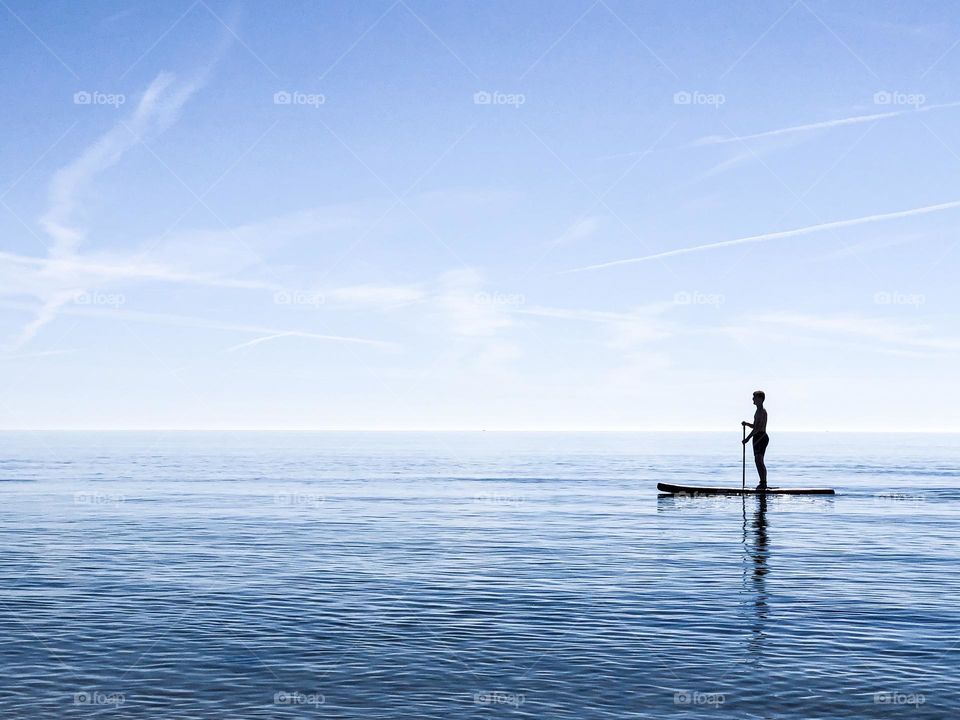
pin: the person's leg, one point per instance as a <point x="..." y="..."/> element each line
<point x="761" y="468"/>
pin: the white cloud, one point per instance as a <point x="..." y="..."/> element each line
<point x="578" y="232"/>
<point x="894" y="333"/>
<point x="376" y="295"/>
<point x="158" y="109"/>
<point x="467" y="307"/>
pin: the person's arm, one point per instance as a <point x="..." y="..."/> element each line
<point x="749" y="425"/>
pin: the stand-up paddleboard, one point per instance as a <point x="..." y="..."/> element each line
<point x="698" y="490"/>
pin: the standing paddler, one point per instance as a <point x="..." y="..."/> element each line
<point x="758" y="434"/>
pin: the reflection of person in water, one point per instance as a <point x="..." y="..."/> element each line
<point x="758" y="434"/>
<point x="758" y="553"/>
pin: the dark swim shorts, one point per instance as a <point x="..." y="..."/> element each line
<point x="760" y="446"/>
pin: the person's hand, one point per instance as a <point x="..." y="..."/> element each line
<point x="743" y="423"/>
<point x="743" y="442"/>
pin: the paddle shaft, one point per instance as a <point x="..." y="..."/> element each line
<point x="743" y="485"/>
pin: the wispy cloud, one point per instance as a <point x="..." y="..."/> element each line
<point x="265" y="333"/>
<point x="471" y="311"/>
<point x="34" y="355"/>
<point x="578" y="232"/>
<point x="822" y="125"/>
<point x="892" y="332"/>
<point x="383" y="296"/>
<point x="158" y="108"/>
<point x="780" y="235"/>
<point x="791" y="130"/>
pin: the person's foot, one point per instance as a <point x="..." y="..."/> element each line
<point x="762" y="487"/>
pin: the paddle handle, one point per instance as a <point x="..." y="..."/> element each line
<point x="743" y="485"/>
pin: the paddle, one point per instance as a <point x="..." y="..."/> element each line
<point x="743" y="485"/>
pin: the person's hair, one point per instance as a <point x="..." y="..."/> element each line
<point x="760" y="394"/>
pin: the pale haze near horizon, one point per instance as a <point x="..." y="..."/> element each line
<point x="421" y="215"/>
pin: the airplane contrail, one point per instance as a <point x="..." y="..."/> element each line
<point x="822" y="125"/>
<point x="776" y="235"/>
<point x="790" y="130"/>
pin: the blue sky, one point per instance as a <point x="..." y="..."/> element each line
<point x="426" y="215"/>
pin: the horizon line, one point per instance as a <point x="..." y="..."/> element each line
<point x="911" y="431"/>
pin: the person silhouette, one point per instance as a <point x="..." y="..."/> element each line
<point x="758" y="434"/>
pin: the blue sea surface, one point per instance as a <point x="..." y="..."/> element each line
<point x="475" y="575"/>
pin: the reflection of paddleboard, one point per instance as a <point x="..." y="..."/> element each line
<point x="695" y="490"/>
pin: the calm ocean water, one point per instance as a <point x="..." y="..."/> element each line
<point x="211" y="575"/>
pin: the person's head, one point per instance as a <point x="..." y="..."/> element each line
<point x="758" y="397"/>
